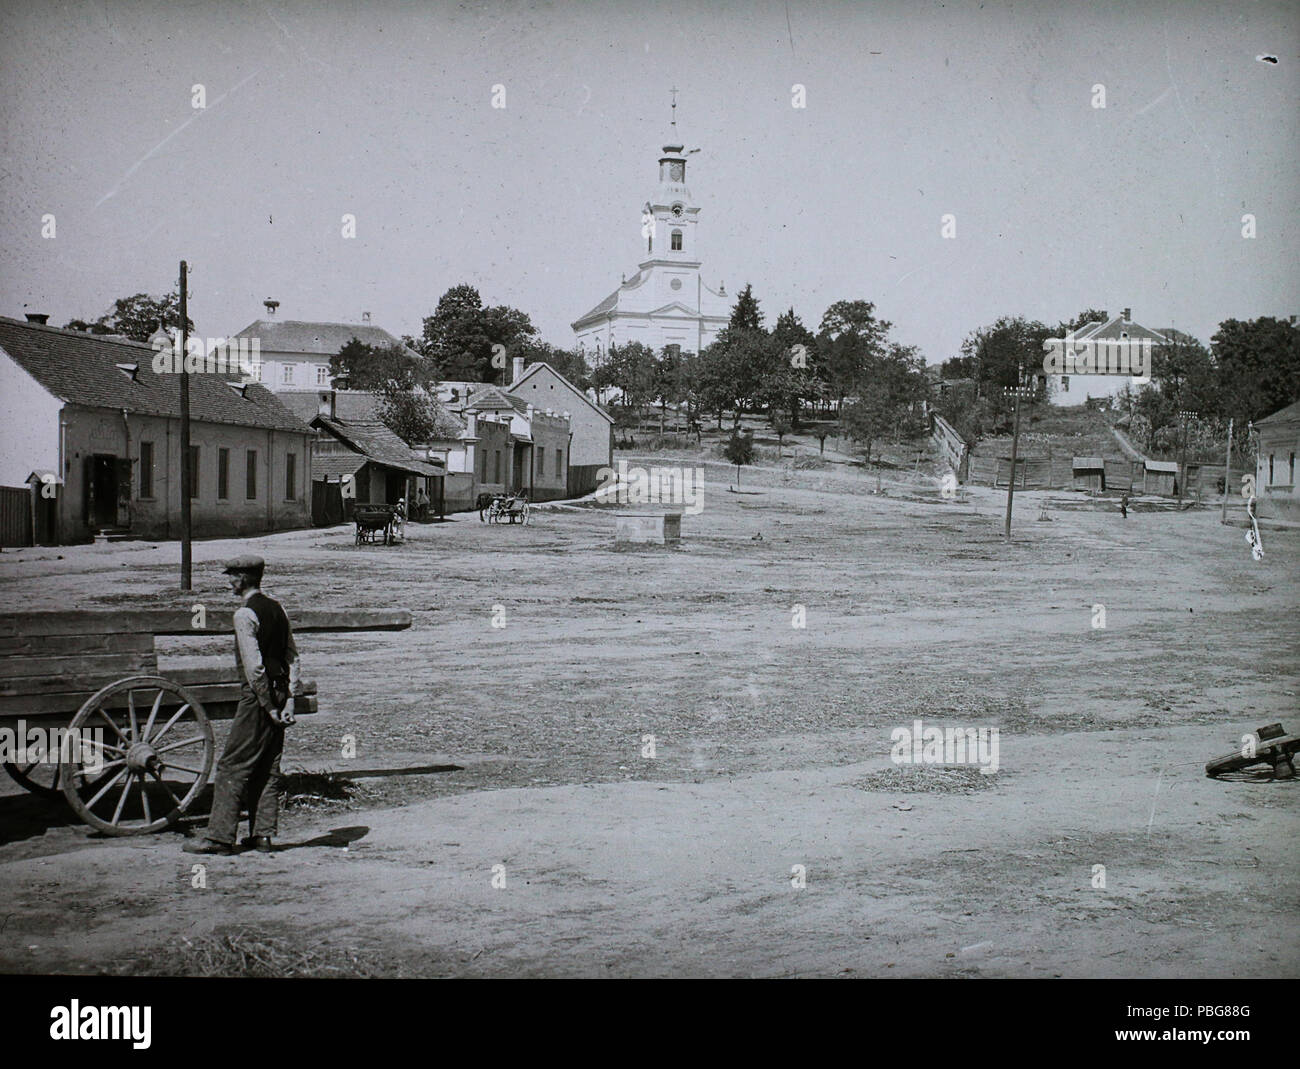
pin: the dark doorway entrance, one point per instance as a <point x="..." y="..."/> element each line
<point x="108" y="492"/>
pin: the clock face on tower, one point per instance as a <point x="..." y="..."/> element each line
<point x="677" y="211"/>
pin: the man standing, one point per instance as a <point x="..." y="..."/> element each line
<point x="249" y="769"/>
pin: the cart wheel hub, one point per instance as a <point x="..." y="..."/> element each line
<point x="142" y="758"/>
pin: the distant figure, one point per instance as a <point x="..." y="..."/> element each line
<point x="1123" y="506"/>
<point x="421" y="505"/>
<point x="399" y="518"/>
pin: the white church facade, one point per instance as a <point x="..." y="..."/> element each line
<point x="666" y="302"/>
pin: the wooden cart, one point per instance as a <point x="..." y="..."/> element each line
<point x="94" y="676"/>
<point x="374" y="523"/>
<point x="1272" y="746"/>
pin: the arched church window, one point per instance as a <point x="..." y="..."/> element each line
<point x="677" y="241"/>
<point x="650" y="243"/>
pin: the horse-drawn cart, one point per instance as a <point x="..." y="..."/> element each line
<point x="129" y="747"/>
<point x="508" y="508"/>
<point x="374" y="523"/>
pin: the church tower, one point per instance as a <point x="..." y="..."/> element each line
<point x="666" y="302"/>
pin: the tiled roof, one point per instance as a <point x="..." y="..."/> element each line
<point x="491" y="398"/>
<point x="1112" y="328"/>
<point x="303" y="336"/>
<point x="335" y="465"/>
<point x="1283" y="415"/>
<point x="377" y="442"/>
<point x="82" y="369"/>
<point x="348" y="404"/>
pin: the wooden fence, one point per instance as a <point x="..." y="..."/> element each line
<point x="952" y="447"/>
<point x="15" y="516"/>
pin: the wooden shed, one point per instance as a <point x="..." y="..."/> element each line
<point x="1089" y="473"/>
<point x="1160" y="477"/>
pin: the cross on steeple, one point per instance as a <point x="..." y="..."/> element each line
<point x="674" y="92"/>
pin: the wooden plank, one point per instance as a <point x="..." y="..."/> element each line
<point x="65" y="703"/>
<point x="60" y="645"/>
<point x="18" y="667"/>
<point x="180" y="621"/>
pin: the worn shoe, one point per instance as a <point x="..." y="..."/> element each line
<point x="260" y="843"/>
<point x="207" y="846"/>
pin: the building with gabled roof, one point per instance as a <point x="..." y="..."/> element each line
<point x="94" y="409"/>
<point x="1102" y="337"/>
<point x="591" y="427"/>
<point x="295" y="353"/>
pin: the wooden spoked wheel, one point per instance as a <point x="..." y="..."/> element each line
<point x="157" y="752"/>
<point x="38" y="777"/>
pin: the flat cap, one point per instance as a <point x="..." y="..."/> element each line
<point x="247" y="563"/>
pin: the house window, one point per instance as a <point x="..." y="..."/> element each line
<point x="146" y="469"/>
<point x="286" y="375"/>
<point x="255" y="370"/>
<point x="1293" y="469"/>
<point x="223" y="474"/>
<point x="496" y="467"/>
<point x="541" y="461"/>
<point x="250" y="475"/>
<point x="559" y="462"/>
<point x="1065" y="383"/>
<point x="290" y="466"/>
<point x="677" y="241"/>
<point x="1270" y="469"/>
<point x="322" y="374"/>
<point x="194" y="472"/>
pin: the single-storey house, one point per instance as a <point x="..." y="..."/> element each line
<point x="92" y="411"/>
<point x="1275" y="472"/>
<point x="592" y="443"/>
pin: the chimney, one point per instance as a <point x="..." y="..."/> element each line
<point x="328" y="404"/>
<point x="471" y="424"/>
<point x="365" y="317"/>
<point x="518" y="370"/>
<point x="1128" y="315"/>
<point x="270" y="306"/>
<point x="42" y="318"/>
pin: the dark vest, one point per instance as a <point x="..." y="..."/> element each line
<point x="272" y="638"/>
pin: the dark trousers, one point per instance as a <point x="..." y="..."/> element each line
<point x="249" y="771"/>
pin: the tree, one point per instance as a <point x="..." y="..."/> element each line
<point x="462" y="335"/>
<point x="780" y="427"/>
<point x="849" y="340"/>
<point x="1259" y="366"/>
<point x="569" y="363"/>
<point x="630" y="369"/>
<point x="797" y="380"/>
<point x="403" y="383"/>
<point x="745" y="313"/>
<point x="996" y="351"/>
<point x="740" y="450"/>
<point x="137" y="317"/>
<point x="1088" y="315"/>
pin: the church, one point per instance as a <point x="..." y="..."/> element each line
<point x="666" y="302"/>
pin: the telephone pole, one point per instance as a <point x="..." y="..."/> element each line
<point x="187" y="582"/>
<point x="1227" y="476"/>
<point x="1016" y="391"/>
<point x="1186" y="414"/>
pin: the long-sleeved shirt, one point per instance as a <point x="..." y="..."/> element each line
<point x="250" y="653"/>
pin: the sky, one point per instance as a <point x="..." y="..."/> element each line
<point x="914" y="110"/>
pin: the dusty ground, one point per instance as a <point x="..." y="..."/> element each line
<point x="522" y="747"/>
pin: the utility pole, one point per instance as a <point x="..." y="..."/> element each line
<point x="1227" y="477"/>
<point x="1017" y="391"/>
<point x="1186" y="414"/>
<point x="187" y="582"/>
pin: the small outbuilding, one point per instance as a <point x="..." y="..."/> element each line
<point x="1160" y="477"/>
<point x="1089" y="473"/>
